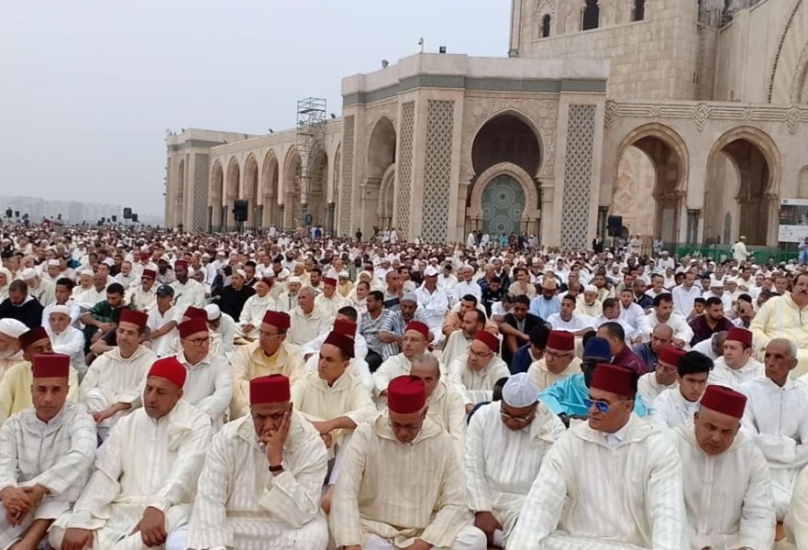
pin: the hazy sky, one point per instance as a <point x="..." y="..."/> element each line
<point x="88" y="87"/>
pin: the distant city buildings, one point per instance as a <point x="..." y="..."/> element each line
<point x="73" y="212"/>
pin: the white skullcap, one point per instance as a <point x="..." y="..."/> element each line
<point x="86" y="272"/>
<point x="344" y="275"/>
<point x="591" y="288"/>
<point x="12" y="327"/>
<point x="241" y="272"/>
<point x="716" y="283"/>
<point x="109" y="261"/>
<point x="55" y="263"/>
<point x="294" y="279"/>
<point x="60" y="309"/>
<point x="29" y="273"/>
<point x="213" y="312"/>
<point x="520" y="391"/>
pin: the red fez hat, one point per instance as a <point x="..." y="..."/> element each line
<point x="724" y="400"/>
<point x="170" y="369"/>
<point x="269" y="389"/>
<point x="561" y="340"/>
<point x="615" y="379"/>
<point x="133" y="316"/>
<point x="269" y="281"/>
<point x="406" y="394"/>
<point x="144" y="256"/>
<point x="192" y="326"/>
<point x="418" y="326"/>
<point x="54" y="365"/>
<point x="488" y="339"/>
<point x="180" y="263"/>
<point x="345" y="327"/>
<point x="195" y="313"/>
<point x="740" y="335"/>
<point x="277" y="319"/>
<point x="34" y="335"/>
<point x="670" y="355"/>
<point x="150" y="273"/>
<point x="329" y="281"/>
<point x="344" y="343"/>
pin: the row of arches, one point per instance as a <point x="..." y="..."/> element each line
<point x="590" y="17"/>
<point x="742" y="186"/>
<point x="274" y="198"/>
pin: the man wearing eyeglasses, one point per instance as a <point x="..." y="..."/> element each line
<point x="627" y="493"/>
<point x="270" y="354"/>
<point x="664" y="377"/>
<point x="678" y="406"/>
<point x="476" y="371"/>
<point x="401" y="485"/>
<point x="727" y="486"/>
<point x="558" y="361"/>
<point x="414" y="342"/>
<point x="209" y="385"/>
<point x="505" y="445"/>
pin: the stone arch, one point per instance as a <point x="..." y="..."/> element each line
<point x="292" y="182"/>
<point x="270" y="189"/>
<point x="802" y="183"/>
<point x="381" y="154"/>
<point x="510" y="120"/>
<point x="651" y="173"/>
<point x="590" y="16"/>
<point x="531" y="214"/>
<point x="754" y="180"/>
<point x="250" y="191"/>
<point x="791" y="40"/>
<point x="799" y="85"/>
<point x="232" y="192"/>
<point x="387" y="198"/>
<point x="545" y="26"/>
<point x="318" y="188"/>
<point x="216" y="195"/>
<point x="179" y="194"/>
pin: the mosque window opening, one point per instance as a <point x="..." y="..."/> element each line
<point x="591" y="15"/>
<point x="639" y="10"/>
<point x="545" y="26"/>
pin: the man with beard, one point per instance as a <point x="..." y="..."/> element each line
<point x="187" y="292"/>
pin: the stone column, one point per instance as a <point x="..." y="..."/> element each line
<point x="546" y="222"/>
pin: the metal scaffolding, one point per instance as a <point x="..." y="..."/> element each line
<point x="311" y="116"/>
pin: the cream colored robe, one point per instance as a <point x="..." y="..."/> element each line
<point x="241" y="505"/>
<point x="590" y="496"/>
<point x="446" y="408"/>
<point x="117" y="379"/>
<point x="544" y="378"/>
<point x="477" y="386"/>
<point x="728" y="496"/>
<point x="250" y="362"/>
<point x="306" y="328"/>
<point x="253" y="314"/>
<point x="399" y="492"/>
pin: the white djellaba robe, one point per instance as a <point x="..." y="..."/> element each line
<point x="728" y="497"/>
<point x="240" y="504"/>
<point x="446" y="408"/>
<point x="253" y="314"/>
<point x="777" y="420"/>
<point x="386" y="496"/>
<point x="722" y="375"/>
<point x="330" y="306"/>
<point x="360" y="346"/>
<point x="57" y="455"/>
<point x="477" y="386"/>
<point x="393" y="367"/>
<point x="671" y="409"/>
<point x="542" y="376"/>
<point x="357" y="367"/>
<point x="69" y="342"/>
<point x="626" y="494"/>
<point x="144" y="463"/>
<point x="501" y="464"/>
<point x="456" y="345"/>
<point x="649" y="388"/>
<point x="208" y="386"/>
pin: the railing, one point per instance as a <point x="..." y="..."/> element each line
<point x="719" y="252"/>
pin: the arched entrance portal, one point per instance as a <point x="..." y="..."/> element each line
<point x="503" y="206"/>
<point x="233" y="176"/>
<point x="742" y="181"/>
<point x="270" y="211"/>
<point x="651" y="177"/>
<point x="215" y="207"/>
<point x="381" y="155"/>
<point x="250" y="193"/>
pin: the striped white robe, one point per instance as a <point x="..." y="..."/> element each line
<point x="477" y="386"/>
<point x="590" y="496"/>
<point x="144" y="463"/>
<point x="501" y="464"/>
<point x="446" y="408"/>
<point x="57" y="455"/>
<point x="114" y="379"/>
<point x="241" y="505"/>
<point x="728" y="496"/>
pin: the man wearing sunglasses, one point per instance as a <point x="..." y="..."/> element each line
<point x="627" y="493"/>
<point x="498" y="482"/>
<point x="727" y="485"/>
<point x="566" y="397"/>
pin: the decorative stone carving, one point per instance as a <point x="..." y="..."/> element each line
<point x="437" y="171"/>
<point x="578" y="176"/>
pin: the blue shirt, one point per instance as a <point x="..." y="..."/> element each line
<point x="521" y="360"/>
<point x="544" y="308"/>
<point x="567" y="396"/>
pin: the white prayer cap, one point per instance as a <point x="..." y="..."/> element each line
<point x="109" y="261"/>
<point x="520" y="391"/>
<point x="213" y="312"/>
<point x="294" y="279"/>
<point x="60" y="309"/>
<point x="344" y="275"/>
<point x="409" y="297"/>
<point x="715" y="282"/>
<point x="591" y="288"/>
<point x="241" y="272"/>
<point x="55" y="263"/>
<point x="430" y="272"/>
<point x="29" y="273"/>
<point x="12" y="327"/>
<point x="86" y="272"/>
<point x="731" y="280"/>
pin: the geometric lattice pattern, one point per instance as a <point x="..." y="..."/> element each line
<point x="438" y="171"/>
<point x="503" y="204"/>
<point x="578" y="176"/>
<point x="200" y="194"/>
<point x="347" y="176"/>
<point x="405" y="167"/>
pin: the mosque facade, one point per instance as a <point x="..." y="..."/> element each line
<point x="688" y="118"/>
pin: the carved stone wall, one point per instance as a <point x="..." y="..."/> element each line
<point x="346" y="194"/>
<point x="405" y="156"/>
<point x="578" y="176"/>
<point x="200" y="193"/>
<point x="438" y="171"/>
